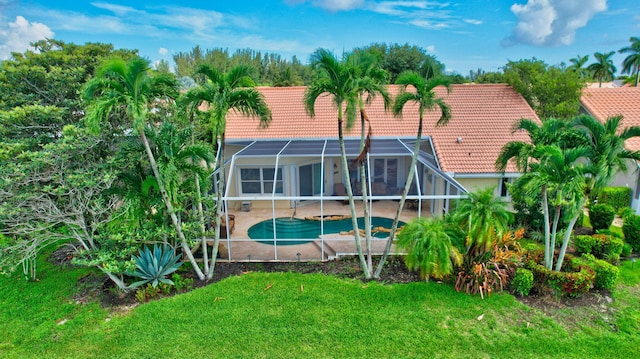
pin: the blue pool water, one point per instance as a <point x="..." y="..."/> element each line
<point x="307" y="230"/>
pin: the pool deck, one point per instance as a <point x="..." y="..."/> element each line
<point x="240" y="248"/>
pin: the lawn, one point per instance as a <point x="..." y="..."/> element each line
<point x="260" y="315"/>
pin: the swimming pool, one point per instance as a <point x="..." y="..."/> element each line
<point x="307" y="230"/>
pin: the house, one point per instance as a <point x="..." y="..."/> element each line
<point x="602" y="103"/>
<point x="294" y="164"/>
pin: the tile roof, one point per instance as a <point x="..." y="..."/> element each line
<point x="482" y="117"/>
<point x="606" y="102"/>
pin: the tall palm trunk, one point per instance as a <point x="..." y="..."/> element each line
<point x="405" y="192"/>
<point x="567" y="236"/>
<point x="554" y="234"/>
<point x="219" y="205"/>
<point x="364" y="184"/>
<point x="167" y="202"/>
<point x="352" y="205"/>
<point x="547" y="239"/>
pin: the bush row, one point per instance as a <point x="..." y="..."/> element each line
<point x="602" y="246"/>
<point x="616" y="197"/>
<point x="631" y="230"/>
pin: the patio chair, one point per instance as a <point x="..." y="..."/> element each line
<point x="339" y="189"/>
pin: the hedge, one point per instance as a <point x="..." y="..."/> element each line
<point x="616" y="197"/>
<point x="631" y="230"/>
<point x="601" y="216"/>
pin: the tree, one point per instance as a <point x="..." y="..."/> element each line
<point x="337" y="78"/>
<point x="577" y="65"/>
<point x="549" y="90"/>
<point x="39" y="90"/>
<point x="631" y="63"/>
<point x="551" y="131"/>
<point x="561" y="181"/>
<point x="132" y="87"/>
<point x="421" y="93"/>
<point x="429" y="248"/>
<point x="221" y="93"/>
<point x="608" y="152"/>
<point x="397" y="59"/>
<point x="61" y="194"/>
<point x="603" y="69"/>
<point x="370" y="82"/>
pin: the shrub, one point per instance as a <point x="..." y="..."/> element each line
<point x="608" y="247"/>
<point x="616" y="197"/>
<point x="606" y="273"/>
<point x="631" y="230"/>
<point x="576" y="279"/>
<point x="626" y="250"/>
<point x="493" y="273"/>
<point x="601" y="216"/>
<point x="522" y="282"/>
<point x="624" y="212"/>
<point x="601" y="245"/>
<point x="583" y="243"/>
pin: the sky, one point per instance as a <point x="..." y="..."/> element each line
<point x="463" y="34"/>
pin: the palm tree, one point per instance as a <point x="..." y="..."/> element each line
<point x="176" y="157"/>
<point x="338" y="79"/>
<point x="370" y="81"/>
<point x="577" y="64"/>
<point x="428" y="247"/>
<point x="424" y="96"/>
<point x="562" y="183"/>
<point x="132" y="87"/>
<point x="608" y="153"/>
<point x="552" y="131"/>
<point x="223" y="92"/>
<point x="483" y="217"/>
<point x="603" y="69"/>
<point x="631" y="63"/>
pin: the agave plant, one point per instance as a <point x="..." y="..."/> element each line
<point x="154" y="267"/>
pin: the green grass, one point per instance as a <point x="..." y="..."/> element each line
<point x="330" y="317"/>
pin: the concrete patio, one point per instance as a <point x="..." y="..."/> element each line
<point x="241" y="248"/>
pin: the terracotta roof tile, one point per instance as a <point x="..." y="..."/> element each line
<point x="482" y="117"/>
<point x="606" y="102"/>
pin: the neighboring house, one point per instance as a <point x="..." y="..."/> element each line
<point x="602" y="103"/>
<point x="454" y="159"/>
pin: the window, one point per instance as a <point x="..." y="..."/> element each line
<point x="260" y="181"/>
<point x="504" y="190"/>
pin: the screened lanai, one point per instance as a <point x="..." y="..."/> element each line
<point x="270" y="182"/>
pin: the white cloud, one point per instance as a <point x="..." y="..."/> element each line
<point x="430" y="15"/>
<point x="431" y="49"/>
<point x="163" y="51"/>
<point x="473" y="21"/>
<point x="338" y="5"/>
<point x="551" y="22"/>
<point x="119" y="10"/>
<point x="17" y="36"/>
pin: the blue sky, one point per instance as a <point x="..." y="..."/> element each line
<point x="463" y="34"/>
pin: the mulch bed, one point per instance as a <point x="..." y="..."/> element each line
<point x="98" y="287"/>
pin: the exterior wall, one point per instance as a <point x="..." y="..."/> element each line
<point x="474" y="183"/>
<point x="631" y="179"/>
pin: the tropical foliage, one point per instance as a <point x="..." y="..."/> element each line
<point x="416" y="89"/>
<point x="154" y="267"/>
<point x="220" y="93"/>
<point x="429" y="247"/>
<point x="631" y="63"/>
